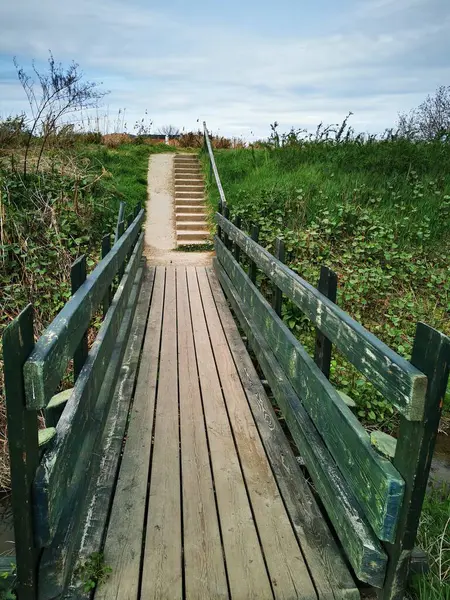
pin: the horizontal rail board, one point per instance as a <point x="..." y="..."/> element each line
<point x="63" y="468"/>
<point x="399" y="381"/>
<point x="59" y="561"/>
<point x="374" y="481"/>
<point x="48" y="362"/>
<point x="362" y="548"/>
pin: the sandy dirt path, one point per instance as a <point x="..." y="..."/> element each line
<point x="160" y="242"/>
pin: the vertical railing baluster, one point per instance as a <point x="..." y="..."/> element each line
<point x="106" y="247"/>
<point x="220" y="211"/>
<point x="227" y="241"/>
<point x="277" y="293"/>
<point x="77" y="278"/>
<point x="237" y="250"/>
<point x="18" y="343"/>
<point x="322" y="354"/>
<point x="255" y="238"/>
<point x="120" y="230"/>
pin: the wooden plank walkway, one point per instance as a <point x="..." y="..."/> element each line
<point x="199" y="512"/>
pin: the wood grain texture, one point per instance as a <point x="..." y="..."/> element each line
<point x="374" y="481"/>
<point x="361" y="546"/>
<point x="204" y="567"/>
<point x="285" y="563"/>
<point x="399" y="381"/>
<point x="323" y="348"/>
<point x="162" y="566"/>
<point x="123" y="543"/>
<point x="61" y="472"/>
<point x="101" y="487"/>
<point x="47" y="364"/>
<point x="326" y="565"/>
<point x="247" y="575"/>
<point x="60" y="559"/>
<point x="18" y="343"/>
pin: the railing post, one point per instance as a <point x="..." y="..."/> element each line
<point x="227" y="241"/>
<point x="322" y="354"/>
<point x="252" y="269"/>
<point x="414" y="451"/>
<point x="119" y="220"/>
<point x="120" y="230"/>
<point x="237" y="250"/>
<point x="77" y="278"/>
<point x="18" y="343"/>
<point x="106" y="247"/>
<point x="277" y="293"/>
<point x="220" y="211"/>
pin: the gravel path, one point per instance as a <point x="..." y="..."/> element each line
<point x="160" y="244"/>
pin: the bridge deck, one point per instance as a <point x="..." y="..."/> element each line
<point x="199" y="512"/>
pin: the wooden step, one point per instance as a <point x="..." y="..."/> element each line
<point x="192" y="226"/>
<point x="184" y="206"/>
<point x="190" y="215"/>
<point x="178" y="160"/>
<point x="186" y="237"/>
<point x="193" y="187"/>
<point x="192" y="181"/>
<point x="186" y="173"/>
<point x="195" y="195"/>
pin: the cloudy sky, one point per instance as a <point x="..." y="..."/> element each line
<point x="240" y="65"/>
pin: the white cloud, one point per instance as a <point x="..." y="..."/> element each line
<point x="239" y="81"/>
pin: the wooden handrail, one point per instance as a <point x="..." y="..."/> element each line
<point x="223" y="200"/>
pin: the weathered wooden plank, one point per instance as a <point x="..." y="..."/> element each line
<point x="162" y="565"/>
<point x="18" y="342"/>
<point x="383" y="443"/>
<point x="252" y="267"/>
<point x="362" y="548"/>
<point x="328" y="287"/>
<point x="277" y="302"/>
<point x="101" y="487"/>
<point x="47" y="363"/>
<point x="123" y="543"/>
<point x="375" y="482"/>
<point x="247" y="575"/>
<point x="414" y="452"/>
<point x="326" y="565"/>
<point x="399" y="381"/>
<point x="285" y="563"/>
<point x="57" y="479"/>
<point x="204" y="570"/>
<point x="106" y="247"/>
<point x="78" y="274"/>
<point x="236" y="249"/>
<point x="59" y="559"/>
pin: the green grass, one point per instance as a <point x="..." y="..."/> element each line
<point x="127" y="166"/>
<point x="434" y="538"/>
<point x="377" y="214"/>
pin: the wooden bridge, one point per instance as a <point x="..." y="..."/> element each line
<point x="168" y="457"/>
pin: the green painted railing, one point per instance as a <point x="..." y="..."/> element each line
<point x="50" y="467"/>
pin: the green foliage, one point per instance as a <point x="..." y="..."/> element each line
<point x="434" y="537"/>
<point x="7" y="583"/>
<point x="93" y="572"/>
<point x="377" y="213"/>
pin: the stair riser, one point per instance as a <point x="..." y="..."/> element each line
<point x="185" y="238"/>
<point x="189" y="196"/>
<point x="187" y="207"/>
<point x="188" y="174"/>
<point x="191" y="162"/>
<point x="190" y="216"/>
<point x="189" y="226"/>
<point x="189" y="188"/>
